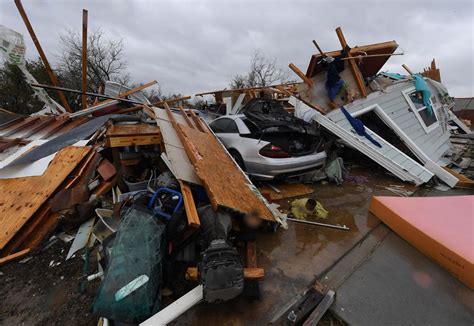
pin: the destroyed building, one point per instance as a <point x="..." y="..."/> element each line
<point x="156" y="207"/>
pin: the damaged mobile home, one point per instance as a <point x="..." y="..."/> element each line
<point x="162" y="204"/>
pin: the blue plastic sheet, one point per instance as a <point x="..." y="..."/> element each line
<point x="422" y="87"/>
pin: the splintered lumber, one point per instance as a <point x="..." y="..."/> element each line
<point x="106" y="169"/>
<point x="16" y="255"/>
<point x="20" y="198"/>
<point x="464" y="182"/>
<point x="105" y="186"/>
<point x="189" y="205"/>
<point x="225" y="184"/>
<point x="249" y="273"/>
<point x="33" y="224"/>
<point x="132" y="135"/>
<point x="286" y="191"/>
<point x="42" y="232"/>
<point x="52" y="76"/>
<point x="407" y="69"/>
<point x="300" y="74"/>
<point x="355" y="70"/>
<point x="172" y="100"/>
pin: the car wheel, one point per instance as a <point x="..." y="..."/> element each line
<point x="237" y="158"/>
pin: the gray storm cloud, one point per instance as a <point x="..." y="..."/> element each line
<point x="192" y="46"/>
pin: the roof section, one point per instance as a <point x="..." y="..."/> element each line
<point x="368" y="67"/>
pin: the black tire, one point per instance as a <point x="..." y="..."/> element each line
<point x="237" y="158"/>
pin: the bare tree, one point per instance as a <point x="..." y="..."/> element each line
<point x="105" y="61"/>
<point x="263" y="72"/>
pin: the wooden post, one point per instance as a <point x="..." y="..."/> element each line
<point x="300" y="74"/>
<point x="52" y="76"/>
<point x="354" y="68"/>
<point x="407" y="69"/>
<point x="319" y="49"/>
<point x="84" y="59"/>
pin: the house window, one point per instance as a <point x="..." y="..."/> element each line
<point x="427" y="118"/>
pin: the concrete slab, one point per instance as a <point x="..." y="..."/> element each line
<point x="399" y="285"/>
<point x="293" y="258"/>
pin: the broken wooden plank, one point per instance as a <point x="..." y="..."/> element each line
<point x="249" y="273"/>
<point x="464" y="182"/>
<point x="52" y="76"/>
<point x="225" y="183"/>
<point x="286" y="191"/>
<point x="251" y="254"/>
<point x="306" y="80"/>
<point x="14" y="256"/>
<point x="189" y="205"/>
<point x="42" y="232"/>
<point x="105" y="186"/>
<point x="354" y="68"/>
<point x="133" y="135"/>
<point x="16" y="243"/>
<point x="20" y="198"/>
<point x="106" y="169"/>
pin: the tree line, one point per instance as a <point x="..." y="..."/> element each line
<point x="105" y="61"/>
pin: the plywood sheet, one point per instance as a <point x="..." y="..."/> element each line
<point x="20" y="198"/>
<point x="286" y="191"/>
<point x="226" y="185"/>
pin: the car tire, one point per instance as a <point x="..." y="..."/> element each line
<point x="237" y="158"/>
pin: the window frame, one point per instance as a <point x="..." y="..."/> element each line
<point x="406" y="93"/>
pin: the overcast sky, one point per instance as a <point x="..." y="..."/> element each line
<point x="194" y="46"/>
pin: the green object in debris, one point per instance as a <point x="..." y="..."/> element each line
<point x="130" y="287"/>
<point x="130" y="291"/>
<point x="304" y="207"/>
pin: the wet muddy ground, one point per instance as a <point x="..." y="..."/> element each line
<point x="34" y="293"/>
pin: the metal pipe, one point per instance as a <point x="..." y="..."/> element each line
<point x="332" y="226"/>
<point x="87" y="93"/>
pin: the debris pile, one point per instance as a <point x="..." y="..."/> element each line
<point x="165" y="201"/>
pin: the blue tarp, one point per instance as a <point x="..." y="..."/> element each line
<point x="394" y="75"/>
<point x="359" y="127"/>
<point x="422" y="87"/>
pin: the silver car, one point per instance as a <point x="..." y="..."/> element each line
<point x="268" y="151"/>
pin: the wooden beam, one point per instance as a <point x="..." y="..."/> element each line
<point x="189" y="205"/>
<point x="52" y="76"/>
<point x="360" y="57"/>
<point x="198" y="122"/>
<point x="354" y="68"/>
<point x="245" y="89"/>
<point x="16" y="255"/>
<point x="172" y="100"/>
<point x="249" y="273"/>
<point x="148" y="111"/>
<point x="319" y="49"/>
<point x="300" y="74"/>
<point x="84" y="59"/>
<point x="185" y="115"/>
<point x="251" y="254"/>
<point x="407" y="69"/>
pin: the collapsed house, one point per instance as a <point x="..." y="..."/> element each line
<point x="156" y="192"/>
<point x="402" y="122"/>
